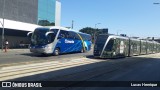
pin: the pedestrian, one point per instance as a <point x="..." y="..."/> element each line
<point x="6" y="45"/>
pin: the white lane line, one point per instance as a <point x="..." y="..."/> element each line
<point x="19" y="67"/>
<point x="43" y="69"/>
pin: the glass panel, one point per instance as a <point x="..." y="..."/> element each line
<point x="109" y="45"/>
<point x="101" y="40"/>
<point x="72" y="35"/>
<point x="51" y="37"/>
<point x="63" y="34"/>
<point x="39" y="37"/>
<point x="46" y="12"/>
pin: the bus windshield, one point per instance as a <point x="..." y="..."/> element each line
<point x="101" y="40"/>
<point x="38" y="37"/>
<point x="109" y="45"/>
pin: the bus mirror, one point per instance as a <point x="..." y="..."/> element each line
<point x="48" y="33"/>
<point x="29" y="34"/>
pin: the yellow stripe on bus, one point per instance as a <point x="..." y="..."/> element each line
<point x="82" y="41"/>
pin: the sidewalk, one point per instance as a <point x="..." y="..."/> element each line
<point x="14" y="50"/>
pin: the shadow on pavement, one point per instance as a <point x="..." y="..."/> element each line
<point x="46" y="55"/>
<point x="92" y="57"/>
<point x="35" y="55"/>
<point x="107" y="69"/>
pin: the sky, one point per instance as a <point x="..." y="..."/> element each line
<point x="139" y="18"/>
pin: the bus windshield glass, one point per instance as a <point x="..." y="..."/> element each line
<point x="109" y="45"/>
<point x="39" y="36"/>
<point x="100" y="42"/>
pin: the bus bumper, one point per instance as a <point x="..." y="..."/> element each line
<point x="40" y="51"/>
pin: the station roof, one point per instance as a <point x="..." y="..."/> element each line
<point x="16" y="25"/>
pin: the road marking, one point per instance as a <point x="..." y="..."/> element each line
<point x="13" y="72"/>
<point x="39" y="61"/>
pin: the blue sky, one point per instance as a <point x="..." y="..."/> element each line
<point x="132" y="17"/>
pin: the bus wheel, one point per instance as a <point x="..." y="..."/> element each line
<point x="56" y="52"/>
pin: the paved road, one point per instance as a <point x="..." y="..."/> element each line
<point x="24" y="56"/>
<point x="141" y="68"/>
<point x="138" y="69"/>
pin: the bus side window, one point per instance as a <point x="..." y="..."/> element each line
<point x="77" y="36"/>
<point x="55" y="31"/>
<point x="74" y="35"/>
<point x="63" y="34"/>
<point x="67" y="35"/>
<point x="71" y="35"/>
<point x="83" y="37"/>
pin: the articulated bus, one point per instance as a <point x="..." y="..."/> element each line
<point x="58" y="40"/>
<point x="112" y="46"/>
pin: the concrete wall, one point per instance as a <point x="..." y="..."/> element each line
<point x="20" y="10"/>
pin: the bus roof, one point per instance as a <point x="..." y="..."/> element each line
<point x="56" y="27"/>
<point x="115" y="36"/>
<point x="61" y="28"/>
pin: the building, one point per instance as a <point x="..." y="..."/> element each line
<point x="22" y="16"/>
<point x="104" y="30"/>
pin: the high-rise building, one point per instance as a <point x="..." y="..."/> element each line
<point x="22" y="16"/>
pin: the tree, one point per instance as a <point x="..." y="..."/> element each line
<point x="88" y="30"/>
<point x="45" y="23"/>
<point x="94" y="32"/>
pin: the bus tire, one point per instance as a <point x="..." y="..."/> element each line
<point x="56" y="52"/>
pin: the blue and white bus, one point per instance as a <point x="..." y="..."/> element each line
<point x="58" y="40"/>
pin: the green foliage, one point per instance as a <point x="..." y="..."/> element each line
<point x="45" y="23"/>
<point x="88" y="30"/>
<point x="94" y="32"/>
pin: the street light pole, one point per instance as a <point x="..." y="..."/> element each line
<point x="3" y="24"/>
<point x="72" y="24"/>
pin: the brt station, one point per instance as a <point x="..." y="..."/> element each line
<point x="16" y="33"/>
<point x="18" y="17"/>
<point x="16" y="38"/>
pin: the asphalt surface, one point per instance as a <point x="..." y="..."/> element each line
<point x="24" y="56"/>
<point x="139" y="68"/>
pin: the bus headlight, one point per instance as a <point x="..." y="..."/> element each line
<point x="114" y="53"/>
<point x="48" y="47"/>
<point x="43" y="46"/>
